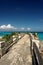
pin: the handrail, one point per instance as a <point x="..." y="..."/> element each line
<point x="6" y="49"/>
<point x="37" y="55"/>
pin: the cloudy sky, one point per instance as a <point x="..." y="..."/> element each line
<point x="9" y="27"/>
<point x="21" y="15"/>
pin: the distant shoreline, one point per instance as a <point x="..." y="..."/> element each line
<point x="40" y="34"/>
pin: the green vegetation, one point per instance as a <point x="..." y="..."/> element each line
<point x="27" y="32"/>
<point x="13" y="33"/>
<point x="8" y="37"/>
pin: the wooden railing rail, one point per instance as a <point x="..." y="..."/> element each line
<point x="36" y="54"/>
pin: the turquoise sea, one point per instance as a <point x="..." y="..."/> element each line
<point x="40" y="34"/>
<point x="4" y="33"/>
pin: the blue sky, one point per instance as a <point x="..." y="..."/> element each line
<point x="25" y="14"/>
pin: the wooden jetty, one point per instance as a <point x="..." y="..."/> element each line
<point x="19" y="54"/>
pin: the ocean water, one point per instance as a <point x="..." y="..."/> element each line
<point x="40" y="36"/>
<point x="4" y="33"/>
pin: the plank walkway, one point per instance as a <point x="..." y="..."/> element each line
<point x="19" y="54"/>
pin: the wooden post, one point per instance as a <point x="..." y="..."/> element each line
<point x="37" y="56"/>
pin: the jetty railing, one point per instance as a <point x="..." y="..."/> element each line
<point x="36" y="56"/>
<point x="37" y="59"/>
<point x="30" y="43"/>
<point x="4" y="50"/>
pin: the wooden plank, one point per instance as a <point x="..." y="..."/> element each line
<point x="38" y="55"/>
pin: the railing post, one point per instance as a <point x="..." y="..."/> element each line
<point x="30" y="43"/>
<point x="37" y="56"/>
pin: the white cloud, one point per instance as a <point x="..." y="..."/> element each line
<point x="28" y="29"/>
<point x="22" y="28"/>
<point x="7" y="27"/>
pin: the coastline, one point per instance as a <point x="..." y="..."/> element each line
<point x="0" y="37"/>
